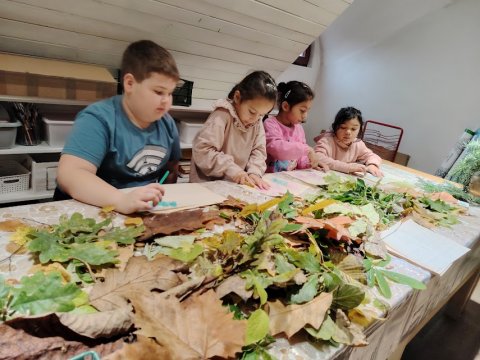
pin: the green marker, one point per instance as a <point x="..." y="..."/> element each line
<point x="164" y="177"/>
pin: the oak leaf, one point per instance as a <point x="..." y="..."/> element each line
<point x="198" y="328"/>
<point x="140" y="275"/>
<point x="292" y="318"/>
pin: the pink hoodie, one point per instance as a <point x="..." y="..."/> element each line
<point x="225" y="146"/>
<point x="340" y="157"/>
<point x="287" y="148"/>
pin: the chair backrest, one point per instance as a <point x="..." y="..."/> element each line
<point x="383" y="139"/>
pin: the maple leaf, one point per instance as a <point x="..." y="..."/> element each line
<point x="198" y="328"/>
<point x="143" y="348"/>
<point x="140" y="275"/>
<point x="291" y="318"/>
<point x="234" y="284"/>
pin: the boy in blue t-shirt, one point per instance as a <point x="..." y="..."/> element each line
<point x="128" y="140"/>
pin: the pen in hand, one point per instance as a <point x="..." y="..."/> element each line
<point x="164" y="177"/>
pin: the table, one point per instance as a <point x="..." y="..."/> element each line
<point x="410" y="310"/>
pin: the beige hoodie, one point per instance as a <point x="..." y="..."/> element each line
<point x="224" y="146"/>
<point x="340" y="157"/>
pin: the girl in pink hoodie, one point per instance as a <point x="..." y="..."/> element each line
<point x="287" y="147"/>
<point x="341" y="150"/>
<point x="231" y="144"/>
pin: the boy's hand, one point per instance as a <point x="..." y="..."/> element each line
<point x="357" y="168"/>
<point x="374" y="170"/>
<point x="259" y="182"/>
<point x="315" y="162"/>
<point x="140" y="199"/>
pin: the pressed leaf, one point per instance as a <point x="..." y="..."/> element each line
<point x="318" y="206"/>
<point x="135" y="221"/>
<point x="186" y="253"/>
<point x="325" y="332"/>
<point x="383" y="284"/>
<point x="257" y="326"/>
<point x="199" y="328"/>
<point x="403" y="279"/>
<point x="11" y="225"/>
<point x="348" y="296"/>
<point x="175" y="241"/>
<point x="291" y="318"/>
<point x="307" y="292"/>
<point x="234" y="284"/>
<point x="140" y="276"/>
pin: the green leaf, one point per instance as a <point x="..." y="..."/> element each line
<point x="304" y="260"/>
<point x="4" y="291"/>
<point x="348" y="296"/>
<point x="357" y="227"/>
<point x="326" y="331"/>
<point x="258" y="282"/>
<point x="175" y="242"/>
<point x="282" y="265"/>
<point x="383" y="285"/>
<point x="370" y="213"/>
<point x="126" y="235"/>
<point x="185" y="254"/>
<point x="48" y="247"/>
<point x="42" y="293"/>
<point x="307" y="292"/>
<point x="257" y="326"/>
<point x="403" y="279"/>
<point x="97" y="253"/>
<point x="291" y="228"/>
<point x="331" y="280"/>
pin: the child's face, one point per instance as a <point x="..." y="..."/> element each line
<point x="149" y="99"/>
<point x="298" y="113"/>
<point x="348" y="131"/>
<point x="251" y="111"/>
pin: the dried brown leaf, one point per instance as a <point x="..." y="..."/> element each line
<point x="140" y="275"/>
<point x="143" y="348"/>
<point x="292" y="318"/>
<point x="11" y="225"/>
<point x="169" y="223"/>
<point x="234" y="284"/>
<point x="199" y="328"/>
<point x="19" y="345"/>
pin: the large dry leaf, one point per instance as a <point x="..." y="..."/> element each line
<point x="103" y="324"/>
<point x="234" y="284"/>
<point x="11" y="225"/>
<point x="166" y="224"/>
<point x="292" y="318"/>
<point x="140" y="275"/>
<point x="199" y="328"/>
<point x="335" y="226"/>
<point x="19" y="345"/>
<point x="144" y="348"/>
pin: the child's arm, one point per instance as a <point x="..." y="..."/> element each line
<point x="257" y="162"/>
<point x="206" y="149"/>
<point x="78" y="178"/>
<point x="371" y="160"/>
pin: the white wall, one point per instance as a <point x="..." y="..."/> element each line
<point x="423" y="76"/>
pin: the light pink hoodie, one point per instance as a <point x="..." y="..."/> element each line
<point x="225" y="146"/>
<point x="341" y="157"/>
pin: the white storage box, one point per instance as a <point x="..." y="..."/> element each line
<point x="57" y="131"/>
<point x="44" y="171"/>
<point x="13" y="177"/>
<point x="8" y="133"/>
<point x="188" y="129"/>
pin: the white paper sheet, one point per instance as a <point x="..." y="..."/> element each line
<point x="280" y="184"/>
<point x="423" y="247"/>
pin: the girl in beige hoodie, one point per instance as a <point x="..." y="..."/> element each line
<point x="231" y="144"/>
<point x="341" y="150"/>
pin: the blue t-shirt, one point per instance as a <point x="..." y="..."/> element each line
<point x="125" y="155"/>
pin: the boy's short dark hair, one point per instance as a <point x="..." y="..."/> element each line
<point x="143" y="57"/>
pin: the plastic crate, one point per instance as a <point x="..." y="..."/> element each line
<point x="57" y="131"/>
<point x="182" y="95"/>
<point x="13" y="177"/>
<point x="188" y="129"/>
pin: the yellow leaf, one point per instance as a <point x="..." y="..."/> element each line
<point x="107" y="209"/>
<point x="53" y="267"/>
<point x="318" y="206"/>
<point x="20" y="236"/>
<point x="135" y="221"/>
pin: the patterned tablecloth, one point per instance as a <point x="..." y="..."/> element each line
<point x="408" y="307"/>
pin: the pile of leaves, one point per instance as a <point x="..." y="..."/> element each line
<point x="198" y="293"/>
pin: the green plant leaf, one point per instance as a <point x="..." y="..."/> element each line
<point x="383" y="285"/>
<point x="307" y="292"/>
<point x="257" y="326"/>
<point x="175" y="242"/>
<point x="326" y="331"/>
<point x="291" y="228"/>
<point x="348" y="296"/>
<point x="185" y="253"/>
<point x="403" y="279"/>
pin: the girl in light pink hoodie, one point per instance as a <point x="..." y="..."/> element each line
<point x="287" y="147"/>
<point x="231" y="144"/>
<point x="341" y="150"/>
